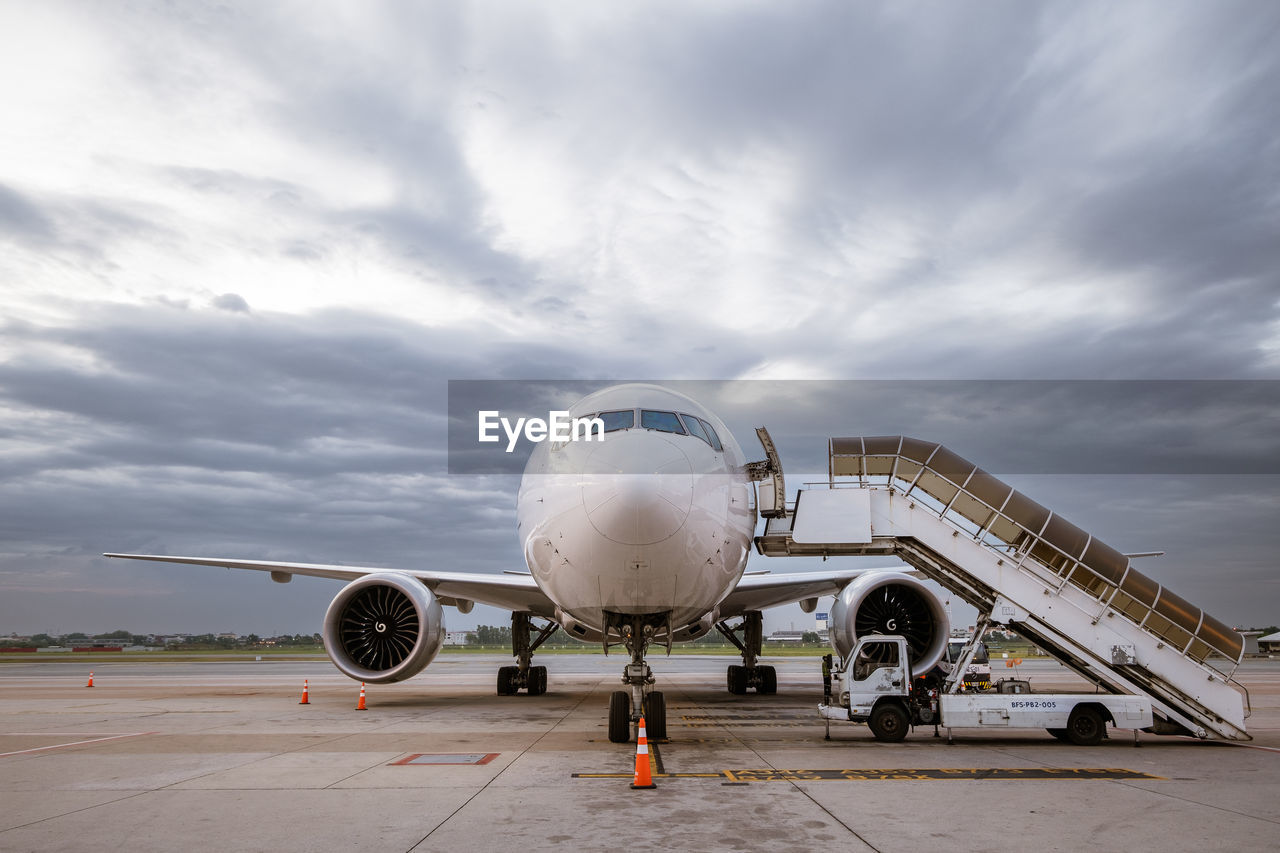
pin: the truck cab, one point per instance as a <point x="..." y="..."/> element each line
<point x="876" y="686"/>
<point x="977" y="675"/>
<point x="877" y="669"/>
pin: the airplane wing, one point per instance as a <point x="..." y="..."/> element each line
<point x="757" y="592"/>
<point x="519" y="592"/>
<point x="510" y="592"/>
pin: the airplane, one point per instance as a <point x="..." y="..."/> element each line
<point x="639" y="539"/>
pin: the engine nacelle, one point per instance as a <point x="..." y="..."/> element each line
<point x="383" y="627"/>
<point x="891" y="603"/>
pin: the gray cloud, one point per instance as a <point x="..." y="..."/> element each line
<point x="231" y="302"/>
<point x="21" y="218"/>
<point x="1008" y="191"/>
<point x="319" y="440"/>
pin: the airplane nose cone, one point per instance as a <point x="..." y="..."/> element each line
<point x="637" y="488"/>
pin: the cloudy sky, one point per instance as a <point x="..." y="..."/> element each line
<point x="243" y="248"/>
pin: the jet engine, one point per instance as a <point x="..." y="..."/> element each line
<point x="383" y="627"/>
<point x="891" y="603"/>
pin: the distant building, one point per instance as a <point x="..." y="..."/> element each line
<point x="794" y="637"/>
<point x="97" y="645"/>
<point x="1269" y="644"/>
<point x="457" y="638"/>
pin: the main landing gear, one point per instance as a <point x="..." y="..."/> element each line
<point x="763" y="678"/>
<point x="640" y="700"/>
<point x="523" y="643"/>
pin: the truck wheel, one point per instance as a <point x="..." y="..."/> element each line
<point x="1085" y="726"/>
<point x="620" y="716"/>
<point x="889" y="723"/>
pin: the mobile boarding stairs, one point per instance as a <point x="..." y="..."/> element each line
<point x="1022" y="566"/>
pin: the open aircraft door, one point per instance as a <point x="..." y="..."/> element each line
<point x="771" y="490"/>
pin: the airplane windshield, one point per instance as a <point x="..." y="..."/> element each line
<point x="662" y="421"/>
<point x="678" y="423"/>
<point x="695" y="428"/>
<point x="614" y="421"/>
<point x="711" y="433"/>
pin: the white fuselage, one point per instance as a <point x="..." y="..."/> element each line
<point x="649" y="520"/>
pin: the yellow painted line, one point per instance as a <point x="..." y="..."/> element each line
<point x="737" y="723"/>
<point x="655" y="775"/>
<point x="1005" y="774"/>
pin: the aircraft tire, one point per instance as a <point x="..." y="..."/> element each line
<point x="537" y="680"/>
<point x="505" y="677"/>
<point x="655" y="716"/>
<point x="620" y="716"/>
<point x="737" y="680"/>
<point x="768" y="679"/>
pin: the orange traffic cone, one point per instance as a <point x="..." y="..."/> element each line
<point x="90" y="684"/>
<point x="305" y="700"/>
<point x="643" y="777"/>
<point x="360" y="706"/>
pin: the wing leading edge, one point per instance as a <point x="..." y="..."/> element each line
<point x="510" y="592"/>
<point x="759" y="592"/>
<point x="519" y="592"/>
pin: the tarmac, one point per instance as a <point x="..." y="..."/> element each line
<point x="198" y="756"/>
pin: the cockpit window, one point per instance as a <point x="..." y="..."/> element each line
<point x="614" y="421"/>
<point x="695" y="428"/>
<point x="711" y="433"/>
<point x="663" y="421"/>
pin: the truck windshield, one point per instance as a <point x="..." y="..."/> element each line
<point x="872" y="656"/>
<point x="954" y="650"/>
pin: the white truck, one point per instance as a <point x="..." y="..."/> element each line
<point x="877" y="687"/>
<point x="977" y="675"/>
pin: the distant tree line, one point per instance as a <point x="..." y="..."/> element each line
<point x="206" y="642"/>
<point x="192" y="642"/>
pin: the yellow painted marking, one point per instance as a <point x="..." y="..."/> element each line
<point x="1019" y="774"/>
<point x="655" y="775"/>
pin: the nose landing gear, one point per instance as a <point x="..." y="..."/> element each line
<point x="640" y="700"/>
